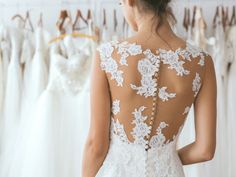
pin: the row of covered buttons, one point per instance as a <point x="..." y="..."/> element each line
<point x="152" y="115"/>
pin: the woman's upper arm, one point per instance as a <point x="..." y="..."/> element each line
<point x="205" y="109"/>
<point x="100" y="104"/>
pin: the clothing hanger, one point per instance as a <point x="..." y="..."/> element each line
<point x="115" y="20"/>
<point x="194" y="16"/>
<point x="27" y="19"/>
<point x="79" y="17"/>
<point x="215" y="17"/>
<point x="89" y="14"/>
<point x="60" y="23"/>
<point x="18" y="16"/>
<point x="233" y="18"/>
<point x="64" y="14"/>
<point x="226" y="17"/>
<point x="188" y="18"/>
<point x="185" y="25"/>
<point x="104" y="18"/>
<point x="40" y="21"/>
<point x="203" y="19"/>
<point x="75" y="35"/>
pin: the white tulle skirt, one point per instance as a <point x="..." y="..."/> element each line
<point x="11" y="116"/>
<point x="53" y="144"/>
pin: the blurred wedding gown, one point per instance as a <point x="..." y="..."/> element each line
<point x="231" y="96"/>
<point x="12" y="101"/>
<point x="5" y="58"/>
<point x="34" y="82"/>
<point x="56" y="137"/>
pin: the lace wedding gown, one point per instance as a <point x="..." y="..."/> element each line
<point x="142" y="138"/>
<point x="56" y="137"/>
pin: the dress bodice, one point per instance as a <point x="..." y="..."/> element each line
<point x="151" y="91"/>
<point x="66" y="73"/>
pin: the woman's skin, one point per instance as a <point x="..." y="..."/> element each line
<point x="97" y="145"/>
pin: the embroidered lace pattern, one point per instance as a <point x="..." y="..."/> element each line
<point x="148" y="112"/>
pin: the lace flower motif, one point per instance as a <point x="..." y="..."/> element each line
<point x="196" y="52"/>
<point x="172" y="59"/>
<point x="196" y="84"/>
<point x="125" y="50"/>
<point x="159" y="139"/>
<point x="116" y="107"/>
<point x="118" y="130"/>
<point x="164" y="96"/>
<point x="109" y="65"/>
<point x="147" y="68"/>
<point x="141" y="129"/>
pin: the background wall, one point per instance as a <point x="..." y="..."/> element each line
<point x="51" y="10"/>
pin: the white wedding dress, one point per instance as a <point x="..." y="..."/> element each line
<point x="12" y="101"/>
<point x="142" y="145"/>
<point x="1" y="83"/>
<point x="5" y="58"/>
<point x="231" y="101"/>
<point x="56" y="138"/>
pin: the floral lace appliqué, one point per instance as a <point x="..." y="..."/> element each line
<point x="159" y="139"/>
<point x="196" y="84"/>
<point x="116" y="107"/>
<point x="125" y="50"/>
<point x="109" y="65"/>
<point x="164" y="96"/>
<point x="172" y="59"/>
<point x="118" y="130"/>
<point x="147" y="68"/>
<point x="141" y="129"/>
<point x="197" y="52"/>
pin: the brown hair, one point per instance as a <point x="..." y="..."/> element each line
<point x="159" y="7"/>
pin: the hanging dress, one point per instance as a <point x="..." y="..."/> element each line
<point x="17" y="153"/>
<point x="12" y="100"/>
<point x="5" y="56"/>
<point x="35" y="82"/>
<point x="231" y="100"/>
<point x="55" y="143"/>
<point x="27" y="53"/>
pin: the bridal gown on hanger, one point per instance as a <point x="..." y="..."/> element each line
<point x="1" y="96"/>
<point x="5" y="55"/>
<point x="142" y="143"/>
<point x="12" y="99"/>
<point x="39" y="72"/>
<point x="231" y="99"/>
<point x="28" y="50"/>
<point x="1" y="84"/>
<point x="18" y="152"/>
<point x="88" y="47"/>
<point x="55" y="143"/>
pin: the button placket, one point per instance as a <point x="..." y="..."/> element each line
<point x="153" y="114"/>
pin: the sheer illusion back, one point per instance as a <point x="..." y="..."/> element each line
<point x="151" y="92"/>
